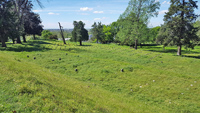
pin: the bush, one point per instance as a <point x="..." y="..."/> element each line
<point x="53" y="37"/>
<point x="46" y="34"/>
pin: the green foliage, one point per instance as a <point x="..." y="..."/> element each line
<point x="79" y="33"/>
<point x="197" y="25"/>
<point x="179" y="22"/>
<point x="55" y="37"/>
<point x="153" y="33"/>
<point x="134" y="20"/>
<point x="46" y="34"/>
<point x="97" y="31"/>
<point x="108" y="37"/>
<point x="7" y="21"/>
<point x="32" y="24"/>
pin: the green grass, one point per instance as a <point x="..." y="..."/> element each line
<point x="153" y="80"/>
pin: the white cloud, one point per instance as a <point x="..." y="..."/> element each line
<point x="36" y="11"/>
<point x="164" y="2"/>
<point x="103" y="18"/>
<point x="97" y="19"/>
<point x="156" y="0"/>
<point x="163" y="11"/>
<point x="84" y="14"/>
<point x="86" y="9"/>
<point x="98" y="12"/>
<point x="51" y="13"/>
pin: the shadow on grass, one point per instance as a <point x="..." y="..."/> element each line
<point x="160" y="50"/>
<point x="85" y="45"/>
<point x="197" y="57"/>
<point x="75" y="50"/>
<point x="28" y="47"/>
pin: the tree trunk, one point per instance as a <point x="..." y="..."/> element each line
<point x="13" y="41"/>
<point x="18" y="40"/>
<point x="3" y="42"/>
<point x="34" y="37"/>
<point x="80" y="43"/>
<point x="24" y="38"/>
<point x="61" y="31"/>
<point x="179" y="50"/>
<point x="140" y="45"/>
<point x="136" y="44"/>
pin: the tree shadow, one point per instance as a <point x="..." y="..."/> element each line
<point x="85" y="45"/>
<point x="189" y="56"/>
<point x="75" y="50"/>
<point x="28" y="47"/>
<point x="167" y="50"/>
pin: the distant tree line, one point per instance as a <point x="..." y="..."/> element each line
<point x="17" y="19"/>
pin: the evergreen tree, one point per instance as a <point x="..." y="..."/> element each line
<point x="79" y="33"/>
<point x="97" y="31"/>
<point x="179" y="22"/>
<point x="7" y="19"/>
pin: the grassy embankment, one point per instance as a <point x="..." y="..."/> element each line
<point x="152" y="81"/>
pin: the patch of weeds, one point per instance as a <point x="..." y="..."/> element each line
<point x="130" y="69"/>
<point x="105" y="71"/>
<point x="25" y="89"/>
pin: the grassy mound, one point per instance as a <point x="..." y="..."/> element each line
<point x="151" y="81"/>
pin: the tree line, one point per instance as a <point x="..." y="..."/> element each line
<point x="17" y="19"/>
<point x="180" y="28"/>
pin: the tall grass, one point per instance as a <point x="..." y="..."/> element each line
<point x="153" y="80"/>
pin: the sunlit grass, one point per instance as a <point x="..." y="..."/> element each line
<point x="153" y="80"/>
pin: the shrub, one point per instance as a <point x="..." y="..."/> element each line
<point x="46" y="34"/>
<point x="53" y="37"/>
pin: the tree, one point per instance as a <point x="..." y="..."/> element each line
<point x="153" y="32"/>
<point x="79" y="33"/>
<point x="197" y="25"/>
<point x="97" y="31"/>
<point x="179" y="22"/>
<point x="141" y="11"/>
<point x="32" y="25"/>
<point x="107" y="34"/>
<point x="7" y="19"/>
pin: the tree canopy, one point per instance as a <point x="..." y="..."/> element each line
<point x="179" y="24"/>
<point x="79" y="33"/>
<point x="135" y="18"/>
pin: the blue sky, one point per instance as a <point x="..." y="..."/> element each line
<point x="89" y="11"/>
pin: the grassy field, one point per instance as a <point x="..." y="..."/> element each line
<point x="41" y="76"/>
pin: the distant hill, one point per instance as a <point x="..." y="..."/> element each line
<point x="67" y="30"/>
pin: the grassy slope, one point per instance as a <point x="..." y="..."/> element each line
<point x="152" y="81"/>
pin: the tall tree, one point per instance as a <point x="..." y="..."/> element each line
<point x="153" y="32"/>
<point x="79" y="33"/>
<point x="32" y="25"/>
<point x="143" y="10"/>
<point x="107" y="34"/>
<point x="97" y="31"/>
<point x="179" y="20"/>
<point x="7" y="19"/>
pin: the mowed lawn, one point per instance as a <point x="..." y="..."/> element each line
<point x="47" y="76"/>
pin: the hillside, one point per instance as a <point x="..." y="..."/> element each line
<point x="152" y="80"/>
